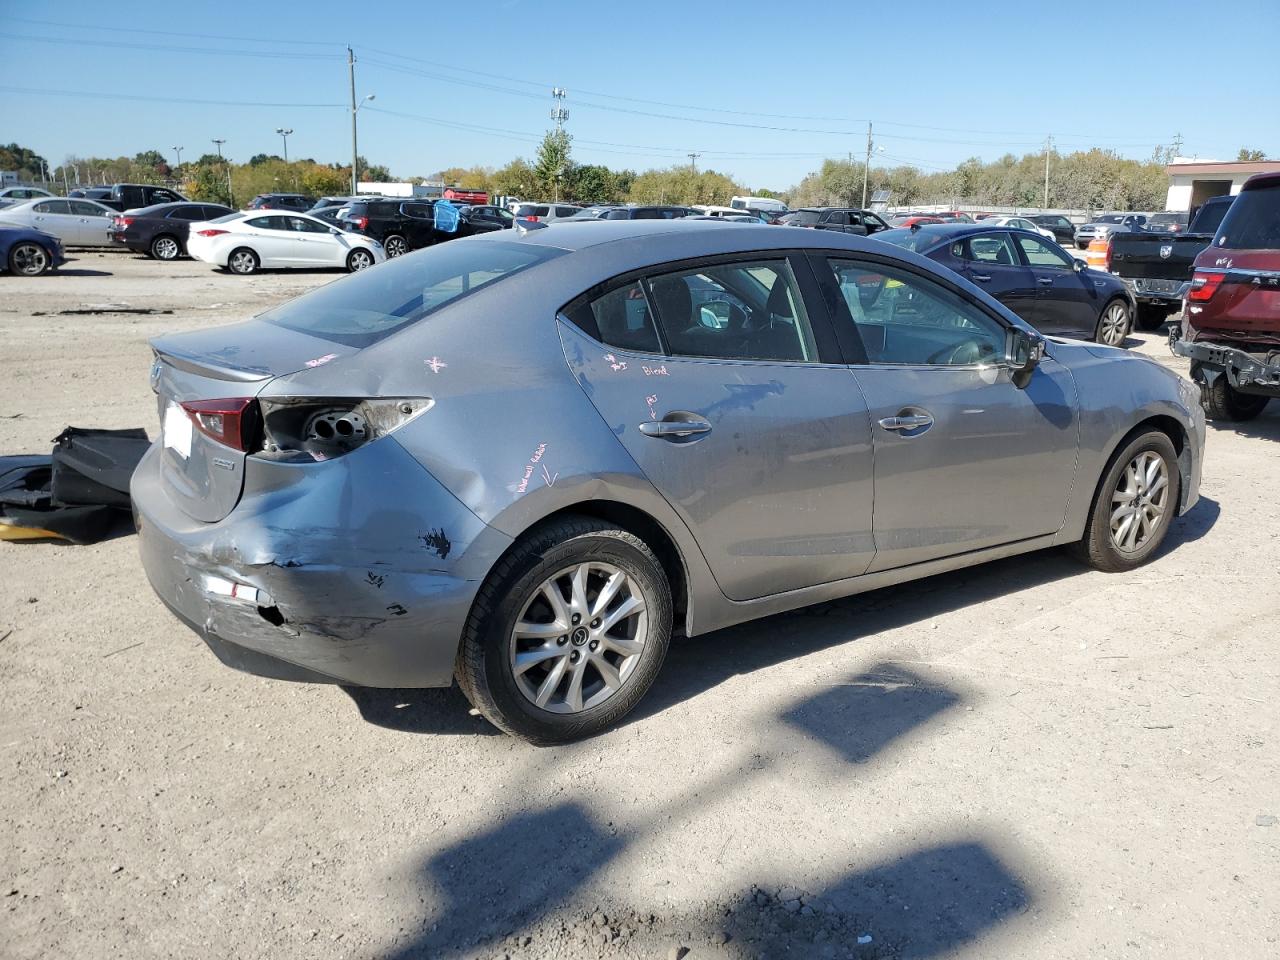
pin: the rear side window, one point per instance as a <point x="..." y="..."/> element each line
<point x="989" y="248"/>
<point x="186" y="213"/>
<point x="373" y="304"/>
<point x="738" y="311"/>
<point x="418" y="211"/>
<point x="1253" y="220"/>
<point x="621" y="318"/>
<point x="802" y="218"/>
<point x="566" y="211"/>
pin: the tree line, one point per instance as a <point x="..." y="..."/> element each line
<point x="1083" y="180"/>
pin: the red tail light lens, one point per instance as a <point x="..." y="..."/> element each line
<point x="230" y="422"/>
<point x="1204" y="285"/>
<point x="211" y="233"/>
<point x="1108" y="257"/>
<point x="360" y="222"/>
<point x="124" y="222"/>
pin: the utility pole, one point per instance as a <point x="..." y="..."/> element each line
<point x="1048" y="146"/>
<point x="178" y="151"/>
<point x="355" y="155"/>
<point x="1177" y="144"/>
<point x="284" y="135"/>
<point x="867" y="166"/>
<point x="693" y="161"/>
<point x="231" y="202"/>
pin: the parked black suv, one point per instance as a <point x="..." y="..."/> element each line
<point x="298" y="202"/>
<point x="484" y="219"/>
<point x="129" y="196"/>
<point x="1064" y="231"/>
<point x="399" y="225"/>
<point x="840" y="219"/>
<point x="161" y="230"/>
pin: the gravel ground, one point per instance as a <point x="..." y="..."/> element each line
<point x="1026" y="759"/>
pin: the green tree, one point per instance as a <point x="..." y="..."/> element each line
<point x="553" y="165"/>
<point x="592" y="183"/>
<point x="682" y="184"/>
<point x="516" y="179"/>
<point x="150" y="158"/>
<point x="1246" y="155"/>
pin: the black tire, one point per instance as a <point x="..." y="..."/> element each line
<point x="243" y="261"/>
<point x="29" y="259"/>
<point x="1223" y="402"/>
<point x="1151" y="316"/>
<point x="359" y="259"/>
<point x="1098" y="547"/>
<point x="395" y="246"/>
<point x="483" y="666"/>
<point x="165" y="247"/>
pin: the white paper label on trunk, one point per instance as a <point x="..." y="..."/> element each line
<point x="177" y="430"/>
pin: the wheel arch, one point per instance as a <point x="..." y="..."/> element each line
<point x="1172" y="428"/>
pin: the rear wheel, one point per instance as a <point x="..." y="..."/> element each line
<point x="166" y="248"/>
<point x="1113" y="325"/>
<point x="1152" y="316"/>
<point x="567" y="633"/>
<point x="1134" y="506"/>
<point x="29" y="259"/>
<point x="395" y="246"/>
<point x="242" y="261"/>
<point x="1221" y="401"/>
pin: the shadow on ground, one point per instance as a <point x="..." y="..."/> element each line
<point x="1265" y="427"/>
<point x="435" y="711"/>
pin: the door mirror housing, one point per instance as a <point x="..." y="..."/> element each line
<point x="1078" y="265"/>
<point x="1024" y="351"/>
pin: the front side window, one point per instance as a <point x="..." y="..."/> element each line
<point x="903" y="318"/>
<point x="750" y="310"/>
<point x="82" y="208"/>
<point x="1041" y="254"/>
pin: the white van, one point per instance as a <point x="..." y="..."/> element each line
<point x="767" y="204"/>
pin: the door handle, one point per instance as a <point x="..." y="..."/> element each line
<point x="1044" y="281"/>
<point x="674" y="429"/>
<point x="913" y="421"/>
<point x="981" y="277"/>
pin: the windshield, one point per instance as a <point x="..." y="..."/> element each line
<point x="1253" y="220"/>
<point x="372" y="304"/>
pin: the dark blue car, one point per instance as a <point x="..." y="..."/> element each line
<point x="1031" y="275"/>
<point x="29" y="253"/>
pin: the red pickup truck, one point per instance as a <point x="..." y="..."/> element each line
<point x="1230" y="324"/>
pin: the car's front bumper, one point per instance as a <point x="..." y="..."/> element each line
<point x="359" y="570"/>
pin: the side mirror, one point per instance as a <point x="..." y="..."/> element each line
<point x="1078" y="265"/>
<point x="1024" y="351"/>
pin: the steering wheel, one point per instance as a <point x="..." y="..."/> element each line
<point x="962" y="354"/>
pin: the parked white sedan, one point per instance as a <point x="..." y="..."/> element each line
<point x="77" y="223"/>
<point x="251" y="240"/>
<point x="1018" y="223"/>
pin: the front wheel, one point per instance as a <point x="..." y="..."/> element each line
<point x="359" y="260"/>
<point x="1134" y="506"/>
<point x="567" y="633"/>
<point x="243" y="261"/>
<point x="1221" y="401"/>
<point x="1113" y="325"/>
<point x="28" y="259"/>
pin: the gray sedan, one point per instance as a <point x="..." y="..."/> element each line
<point x="522" y="459"/>
<point x="77" y="223"/>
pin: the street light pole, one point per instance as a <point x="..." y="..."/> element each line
<point x="178" y="151"/>
<point x="284" y="135"/>
<point x="1048" y="145"/>
<point x="866" y="167"/>
<point x="231" y="200"/>
<point x="355" y="155"/>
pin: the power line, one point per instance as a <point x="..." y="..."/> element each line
<point x="275" y="41"/>
<point x="120" y="44"/>
<point x="38" y="91"/>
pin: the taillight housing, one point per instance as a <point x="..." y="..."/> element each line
<point x="232" y="422"/>
<point x="211" y="233"/>
<point x="308" y="429"/>
<point x="123" y="223"/>
<point x="1110" y="249"/>
<point x="531" y="219"/>
<point x="360" y="222"/>
<point x="1204" y="284"/>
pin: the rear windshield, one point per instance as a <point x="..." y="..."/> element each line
<point x="801" y="218"/>
<point x="916" y="240"/>
<point x="367" y="306"/>
<point x="1253" y="220"/>
<point x="227" y="218"/>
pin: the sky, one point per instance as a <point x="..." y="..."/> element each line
<point x="762" y="91"/>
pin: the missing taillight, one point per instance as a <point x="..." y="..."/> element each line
<point x="1204" y="284"/>
<point x="311" y="429"/>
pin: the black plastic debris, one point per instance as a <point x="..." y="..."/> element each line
<point x="79" y="493"/>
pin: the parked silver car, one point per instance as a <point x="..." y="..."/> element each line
<point x="1101" y="226"/>
<point x="77" y="223"/>
<point x="521" y="459"/>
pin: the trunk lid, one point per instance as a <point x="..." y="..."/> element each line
<point x="1155" y="256"/>
<point x="204" y="476"/>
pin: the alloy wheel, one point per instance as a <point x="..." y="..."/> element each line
<point x="358" y="260"/>
<point x="396" y="247"/>
<point x="1115" y="324"/>
<point x="165" y="248"/>
<point x="579" y="637"/>
<point x="29" y="259"/>
<point x="242" y="261"/>
<point x="1139" y="502"/>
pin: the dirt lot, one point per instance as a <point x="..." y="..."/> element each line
<point x="1023" y="760"/>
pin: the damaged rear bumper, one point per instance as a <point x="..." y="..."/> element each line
<point x="359" y="570"/>
<point x="1244" y="371"/>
